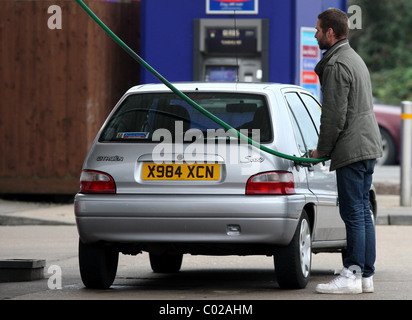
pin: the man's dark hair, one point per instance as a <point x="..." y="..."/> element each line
<point x="335" y="19"/>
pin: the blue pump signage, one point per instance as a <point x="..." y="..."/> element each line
<point x="229" y="6"/>
<point x="309" y="57"/>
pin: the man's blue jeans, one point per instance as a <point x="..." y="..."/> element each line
<point x="354" y="182"/>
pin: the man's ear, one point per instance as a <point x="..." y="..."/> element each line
<point x="331" y="34"/>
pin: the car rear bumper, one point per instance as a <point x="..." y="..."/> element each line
<point x="236" y="219"/>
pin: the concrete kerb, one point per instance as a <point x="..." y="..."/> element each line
<point x="390" y="212"/>
<point x="14" y="213"/>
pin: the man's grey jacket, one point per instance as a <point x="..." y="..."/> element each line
<point x="349" y="131"/>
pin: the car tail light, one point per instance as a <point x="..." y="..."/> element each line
<point x="96" y="182"/>
<point x="276" y="182"/>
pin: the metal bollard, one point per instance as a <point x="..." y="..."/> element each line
<point x="406" y="158"/>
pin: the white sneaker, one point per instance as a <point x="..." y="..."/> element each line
<point x="345" y="283"/>
<point x="367" y="285"/>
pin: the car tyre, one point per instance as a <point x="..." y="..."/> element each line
<point x="165" y="263"/>
<point x="389" y="149"/>
<point x="293" y="262"/>
<point x="98" y="265"/>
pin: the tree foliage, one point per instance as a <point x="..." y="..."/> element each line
<point x="385" y="44"/>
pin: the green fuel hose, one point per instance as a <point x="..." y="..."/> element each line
<point x="136" y="57"/>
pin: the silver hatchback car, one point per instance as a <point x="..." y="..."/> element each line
<point x="164" y="178"/>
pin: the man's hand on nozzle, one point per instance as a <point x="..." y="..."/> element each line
<point x="315" y="154"/>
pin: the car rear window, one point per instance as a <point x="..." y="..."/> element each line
<point x="140" y="115"/>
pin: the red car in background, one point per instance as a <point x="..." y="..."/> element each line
<point x="389" y="121"/>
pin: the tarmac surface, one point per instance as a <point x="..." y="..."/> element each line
<point x="386" y="181"/>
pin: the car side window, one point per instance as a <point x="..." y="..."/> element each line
<point x="314" y="108"/>
<point x="304" y="126"/>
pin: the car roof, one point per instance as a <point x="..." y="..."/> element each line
<point x="213" y="86"/>
<point x="387" y="109"/>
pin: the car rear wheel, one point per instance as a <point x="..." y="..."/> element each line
<point x="293" y="262"/>
<point x="98" y="265"/>
<point x="165" y="263"/>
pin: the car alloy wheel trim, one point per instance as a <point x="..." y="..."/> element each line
<point x="305" y="248"/>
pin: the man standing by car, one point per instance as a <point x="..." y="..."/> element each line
<point x="349" y="135"/>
